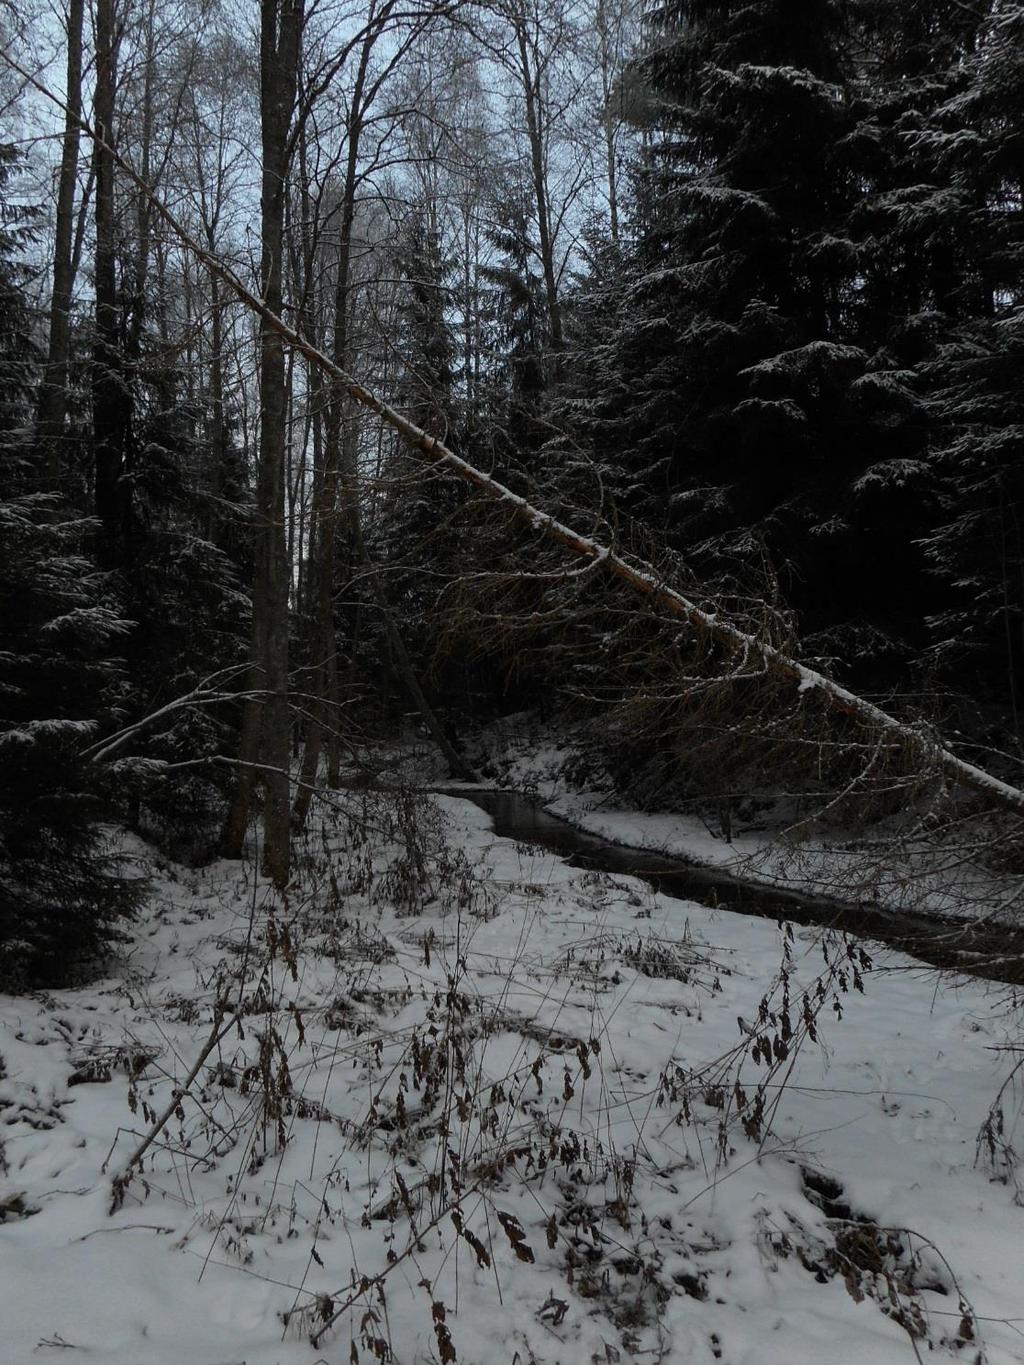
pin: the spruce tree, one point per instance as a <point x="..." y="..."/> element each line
<point x="62" y="895"/>
<point x="190" y="618"/>
<point x="411" y="538"/>
<point x="976" y="545"/>
<point x="753" y="414"/>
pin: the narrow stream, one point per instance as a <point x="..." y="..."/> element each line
<point x="995" y="953"/>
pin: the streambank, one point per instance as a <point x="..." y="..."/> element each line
<point x="990" y="951"/>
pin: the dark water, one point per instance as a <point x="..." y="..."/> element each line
<point x="996" y="953"/>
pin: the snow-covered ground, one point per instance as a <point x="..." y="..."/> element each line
<point x="468" y="1104"/>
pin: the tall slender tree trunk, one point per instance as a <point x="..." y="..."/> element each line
<point x="319" y="576"/>
<point x="321" y="718"/>
<point x="144" y="206"/>
<point x="216" y="520"/>
<point x="280" y="37"/>
<point x="53" y="389"/>
<point x="280" y="45"/>
<point x="323" y="715"/>
<point x="535" y="132"/>
<point x="608" y="120"/>
<point x="111" y="402"/>
<point x="236" y="823"/>
<point x="221" y="531"/>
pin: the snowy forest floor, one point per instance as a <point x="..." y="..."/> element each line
<point x="470" y="1104"/>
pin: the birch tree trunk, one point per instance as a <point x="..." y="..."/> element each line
<point x="608" y="116"/>
<point x="531" y="77"/>
<point x="325" y="493"/>
<point x="53" y="389"/>
<point x="280" y="43"/>
<point x="110" y="397"/>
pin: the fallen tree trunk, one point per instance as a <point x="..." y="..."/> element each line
<point x="641" y="577"/>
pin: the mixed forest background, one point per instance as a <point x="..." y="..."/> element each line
<point x="733" y="287"/>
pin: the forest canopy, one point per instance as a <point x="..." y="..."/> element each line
<point x="733" y="291"/>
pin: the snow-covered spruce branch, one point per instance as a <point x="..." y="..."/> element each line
<point x="201" y="695"/>
<point x="640" y="577"/>
<point x="159" y="767"/>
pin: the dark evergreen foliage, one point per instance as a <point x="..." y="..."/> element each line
<point x="407" y="531"/>
<point x="425" y="337"/>
<point x="770" y="420"/>
<point x="978" y="551"/>
<point x="192" y="619"/>
<point x="61" y="894"/>
<point x="792" y="381"/>
<point x="818" y="226"/>
<point x="975" y="140"/>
